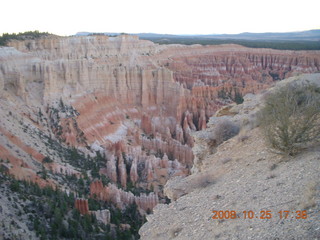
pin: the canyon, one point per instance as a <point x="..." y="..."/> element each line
<point x="242" y="176"/>
<point x="121" y="109"/>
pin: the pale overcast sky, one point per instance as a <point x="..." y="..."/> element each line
<point x="66" y="17"/>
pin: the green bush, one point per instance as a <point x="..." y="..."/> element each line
<point x="47" y="160"/>
<point x="15" y="186"/>
<point x="290" y="118"/>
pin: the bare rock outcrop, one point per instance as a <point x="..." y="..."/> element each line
<point x="102" y="215"/>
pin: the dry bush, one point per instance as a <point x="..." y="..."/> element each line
<point x="225" y="130"/>
<point x="203" y="180"/>
<point x="290" y="118"/>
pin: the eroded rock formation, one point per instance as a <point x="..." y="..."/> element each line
<point x="122" y="198"/>
<point x="82" y="206"/>
<point x="134" y="102"/>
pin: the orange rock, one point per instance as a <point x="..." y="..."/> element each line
<point x="82" y="206"/>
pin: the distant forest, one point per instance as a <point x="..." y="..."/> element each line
<point x="274" y="44"/>
<point x="6" y="37"/>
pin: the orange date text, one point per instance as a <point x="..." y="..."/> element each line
<point x="263" y="214"/>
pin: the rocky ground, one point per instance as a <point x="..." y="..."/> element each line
<point x="242" y="174"/>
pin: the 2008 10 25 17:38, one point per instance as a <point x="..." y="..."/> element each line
<point x="263" y="214"/>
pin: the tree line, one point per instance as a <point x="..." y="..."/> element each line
<point x="274" y="44"/>
<point x="7" y="37"/>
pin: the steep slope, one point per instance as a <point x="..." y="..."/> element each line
<point x="241" y="175"/>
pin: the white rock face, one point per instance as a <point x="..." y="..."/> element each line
<point x="80" y="64"/>
<point x="102" y="215"/>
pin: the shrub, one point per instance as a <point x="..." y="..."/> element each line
<point x="290" y="118"/>
<point x="202" y="180"/>
<point x="225" y="130"/>
<point x="47" y="160"/>
<point x="15" y="186"/>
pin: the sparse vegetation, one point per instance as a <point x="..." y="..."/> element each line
<point x="290" y="118"/>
